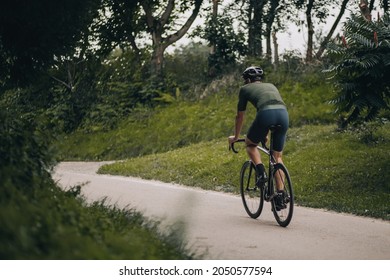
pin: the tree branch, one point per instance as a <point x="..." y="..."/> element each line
<point x="148" y="13"/>
<point x="61" y="82"/>
<point x="334" y="26"/>
<point x="167" y="12"/>
<point x="182" y="31"/>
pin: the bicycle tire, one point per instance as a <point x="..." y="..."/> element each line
<point x="252" y="195"/>
<point x="283" y="216"/>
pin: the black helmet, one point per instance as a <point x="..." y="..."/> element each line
<point x="253" y="73"/>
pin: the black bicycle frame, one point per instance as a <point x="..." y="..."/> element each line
<point x="268" y="194"/>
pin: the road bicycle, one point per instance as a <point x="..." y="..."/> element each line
<point x="254" y="194"/>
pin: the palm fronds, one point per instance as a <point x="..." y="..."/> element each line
<point x="361" y="71"/>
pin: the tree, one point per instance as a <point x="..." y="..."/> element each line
<point x="251" y="14"/>
<point x="332" y="30"/>
<point x="229" y="44"/>
<point x="255" y="15"/>
<point x="214" y="16"/>
<point x="318" y="9"/>
<point x="269" y="19"/>
<point x="159" y="25"/>
<point x="120" y="24"/>
<point x="34" y="35"/>
<point x="308" y="7"/>
<point x="362" y="68"/>
<point x="227" y="41"/>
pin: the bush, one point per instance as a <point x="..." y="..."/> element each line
<point x="40" y="221"/>
<point x="361" y="69"/>
<point x="55" y="225"/>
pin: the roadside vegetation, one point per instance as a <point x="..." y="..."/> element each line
<point x="38" y="220"/>
<point x="185" y="122"/>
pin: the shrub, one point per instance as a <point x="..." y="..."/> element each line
<point x="361" y="68"/>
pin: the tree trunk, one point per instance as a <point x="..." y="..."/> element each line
<point x="276" y="50"/>
<point x="214" y="15"/>
<point x="212" y="70"/>
<point x="270" y="20"/>
<point x="371" y="7"/>
<point x="310" y="26"/>
<point x="334" y="26"/>
<point x="157" y="26"/>
<point x="255" y="22"/>
<point x="157" y="60"/>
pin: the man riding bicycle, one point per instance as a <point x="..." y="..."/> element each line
<point x="271" y="110"/>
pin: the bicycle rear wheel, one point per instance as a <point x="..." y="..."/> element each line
<point x="283" y="215"/>
<point x="252" y="195"/>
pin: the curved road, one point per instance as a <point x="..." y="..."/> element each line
<point x="216" y="225"/>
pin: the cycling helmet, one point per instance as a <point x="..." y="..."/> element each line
<point x="253" y="73"/>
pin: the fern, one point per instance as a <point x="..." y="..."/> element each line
<point x="361" y="69"/>
<point x="361" y="41"/>
<point x="369" y="61"/>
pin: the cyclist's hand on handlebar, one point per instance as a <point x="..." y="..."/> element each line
<point x="231" y="140"/>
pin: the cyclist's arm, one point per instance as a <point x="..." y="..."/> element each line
<point x="238" y="124"/>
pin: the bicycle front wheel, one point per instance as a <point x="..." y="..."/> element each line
<point x="282" y="209"/>
<point x="252" y="195"/>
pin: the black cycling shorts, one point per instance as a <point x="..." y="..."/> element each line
<point x="264" y="119"/>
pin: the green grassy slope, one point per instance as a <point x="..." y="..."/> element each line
<point x="183" y="123"/>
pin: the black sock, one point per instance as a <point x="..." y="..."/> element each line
<point x="260" y="169"/>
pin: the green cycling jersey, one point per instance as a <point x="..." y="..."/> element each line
<point x="260" y="95"/>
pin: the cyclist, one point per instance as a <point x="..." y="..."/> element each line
<point x="271" y="110"/>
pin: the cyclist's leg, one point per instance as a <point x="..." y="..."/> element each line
<point x="279" y="176"/>
<point x="280" y="118"/>
<point x="279" y="138"/>
<point x="254" y="155"/>
<point x="256" y="133"/>
<point x="253" y="152"/>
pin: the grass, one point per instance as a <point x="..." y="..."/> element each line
<point x="341" y="171"/>
<point x="141" y="133"/>
<point x="184" y="123"/>
<point x="344" y="172"/>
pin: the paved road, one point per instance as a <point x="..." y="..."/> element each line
<point x="216" y="225"/>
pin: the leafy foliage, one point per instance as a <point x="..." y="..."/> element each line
<point x="34" y="35"/>
<point x="362" y="68"/>
<point x="38" y="220"/>
<point x="23" y="146"/>
<point x="53" y="224"/>
<point x="119" y="24"/>
<point x="229" y="44"/>
<point x="187" y="66"/>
